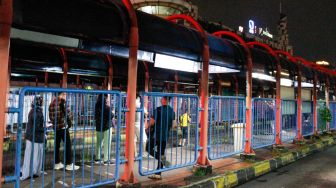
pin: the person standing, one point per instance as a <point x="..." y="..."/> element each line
<point x="184" y="123"/>
<point x="61" y="118"/>
<point x="138" y="128"/>
<point x="103" y="118"/>
<point x="33" y="156"/>
<point x="162" y="120"/>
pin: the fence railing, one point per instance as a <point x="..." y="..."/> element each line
<point x="333" y="115"/>
<point x="83" y="157"/>
<point x="263" y="122"/>
<point x="307" y="118"/>
<point x="288" y="120"/>
<point x="226" y="126"/>
<point x="167" y="133"/>
<point x="172" y="138"/>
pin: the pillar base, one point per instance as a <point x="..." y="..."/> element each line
<point x="248" y="156"/>
<point x="200" y="170"/>
<point x="299" y="142"/>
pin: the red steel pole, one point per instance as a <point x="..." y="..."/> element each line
<point x="203" y="158"/>
<point x="110" y="72"/>
<point x="46" y="84"/>
<point x="278" y="90"/>
<point x="128" y="175"/>
<point x="315" y="104"/>
<point x="65" y="68"/>
<point x="6" y="14"/>
<point x="327" y="98"/>
<point x="248" y="133"/>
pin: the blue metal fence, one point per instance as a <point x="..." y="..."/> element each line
<point x="288" y="120"/>
<point x="333" y="115"/>
<point x="321" y="123"/>
<point x="263" y="122"/>
<point x="172" y="133"/>
<point x="307" y="118"/>
<point x="97" y="165"/>
<point x="226" y="126"/>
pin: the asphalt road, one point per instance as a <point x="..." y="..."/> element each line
<point x="315" y="171"/>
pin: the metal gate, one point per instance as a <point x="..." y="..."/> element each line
<point x="288" y="120"/>
<point x="67" y="122"/>
<point x="226" y="126"/>
<point x="307" y="118"/>
<point x="333" y="115"/>
<point x="263" y="122"/>
<point x="172" y="122"/>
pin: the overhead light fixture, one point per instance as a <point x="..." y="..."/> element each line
<point x="282" y="73"/>
<point x="304" y="84"/>
<point x="219" y="69"/>
<point x="263" y="77"/>
<point x="324" y="63"/>
<point x="175" y="63"/>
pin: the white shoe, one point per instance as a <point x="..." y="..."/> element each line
<point x="58" y="166"/>
<point x="71" y="167"/>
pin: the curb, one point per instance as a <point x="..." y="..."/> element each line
<point x="234" y="178"/>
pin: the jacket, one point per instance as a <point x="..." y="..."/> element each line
<point x="35" y="119"/>
<point x="57" y="114"/>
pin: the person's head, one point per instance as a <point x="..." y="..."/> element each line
<point x="165" y="100"/>
<point x="102" y="98"/>
<point x="37" y="102"/>
<point x="138" y="101"/>
<point x="62" y="95"/>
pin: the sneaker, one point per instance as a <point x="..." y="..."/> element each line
<point x="108" y="162"/>
<point x="155" y="177"/>
<point x="58" y="166"/>
<point x="98" y="161"/>
<point x="71" y="167"/>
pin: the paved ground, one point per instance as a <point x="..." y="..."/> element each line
<point x="315" y="171"/>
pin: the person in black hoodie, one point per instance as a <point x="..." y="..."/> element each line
<point x="35" y="136"/>
<point x="103" y="118"/>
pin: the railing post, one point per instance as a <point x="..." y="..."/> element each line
<point x="248" y="133"/>
<point x="65" y="68"/>
<point x="6" y="14"/>
<point x="128" y="175"/>
<point x="327" y="99"/>
<point x="110" y="72"/>
<point x="315" y="104"/>
<point x="278" y="90"/>
<point x="203" y="158"/>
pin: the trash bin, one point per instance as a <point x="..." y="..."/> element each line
<point x="238" y="136"/>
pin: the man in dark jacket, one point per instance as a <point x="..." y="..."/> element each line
<point x="33" y="157"/>
<point x="162" y="122"/>
<point x="61" y="118"/>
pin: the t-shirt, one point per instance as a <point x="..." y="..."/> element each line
<point x="184" y="120"/>
<point x="164" y="116"/>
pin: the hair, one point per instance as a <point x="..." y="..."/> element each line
<point x="167" y="98"/>
<point x="101" y="100"/>
<point x="37" y="102"/>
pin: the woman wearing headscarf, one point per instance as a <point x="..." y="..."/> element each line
<point x="35" y="136"/>
<point x="103" y="118"/>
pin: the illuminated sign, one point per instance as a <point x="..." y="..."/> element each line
<point x="253" y="29"/>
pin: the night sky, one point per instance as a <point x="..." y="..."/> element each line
<point x="311" y="23"/>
